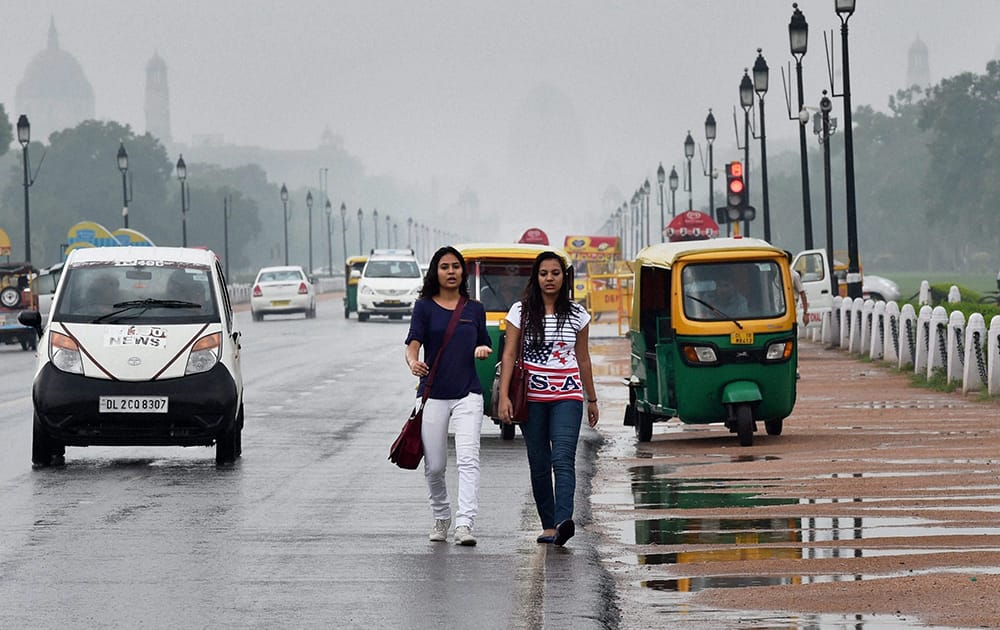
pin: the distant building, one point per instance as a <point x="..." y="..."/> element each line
<point x="54" y="92"/>
<point x="158" y="100"/>
<point x="918" y="70"/>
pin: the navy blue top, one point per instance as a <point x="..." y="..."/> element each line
<point x="456" y="375"/>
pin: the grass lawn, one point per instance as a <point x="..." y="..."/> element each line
<point x="909" y="282"/>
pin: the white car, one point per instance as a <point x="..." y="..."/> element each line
<point x="282" y="290"/>
<point x="389" y="285"/>
<point x="139" y="348"/>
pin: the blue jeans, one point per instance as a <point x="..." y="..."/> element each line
<point x="550" y="435"/>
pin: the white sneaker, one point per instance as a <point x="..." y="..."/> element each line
<point x="440" y="531"/>
<point x="464" y="537"/>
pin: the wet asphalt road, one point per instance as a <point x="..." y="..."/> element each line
<point x="312" y="528"/>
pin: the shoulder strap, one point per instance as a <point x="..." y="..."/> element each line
<point x="452" y="323"/>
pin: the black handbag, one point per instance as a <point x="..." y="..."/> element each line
<point x="408" y="448"/>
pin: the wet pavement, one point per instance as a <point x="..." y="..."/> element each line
<point x="877" y="503"/>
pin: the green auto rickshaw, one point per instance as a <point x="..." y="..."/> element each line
<point x="352" y="272"/>
<point x="497" y="275"/>
<point x="713" y="336"/>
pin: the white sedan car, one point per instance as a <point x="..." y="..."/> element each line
<point x="282" y="290"/>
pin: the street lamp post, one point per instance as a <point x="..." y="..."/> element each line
<point x="361" y="233"/>
<point x="123" y="167"/>
<point x="710" y="135"/>
<point x="375" y="224"/>
<point x="645" y="197"/>
<point x="329" y="237"/>
<point x="395" y="234"/>
<point x="845" y="9"/>
<point x="227" y="209"/>
<point x="388" y="224"/>
<point x="284" y="202"/>
<point x="309" y="206"/>
<point x="661" y="176"/>
<point x="635" y="217"/>
<point x="674" y="181"/>
<point x="824" y="126"/>
<point x="746" y="102"/>
<point x="689" y="153"/>
<point x="182" y="176"/>
<point x="409" y="232"/>
<point x="24" y="137"/>
<point x="760" y="80"/>
<point x="798" y="41"/>
<point x="343" y="230"/>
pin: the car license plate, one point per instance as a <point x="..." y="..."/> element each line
<point x="741" y="338"/>
<point x="392" y="302"/>
<point x="280" y="302"/>
<point x="133" y="404"/>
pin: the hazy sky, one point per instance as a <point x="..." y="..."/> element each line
<point x="429" y="88"/>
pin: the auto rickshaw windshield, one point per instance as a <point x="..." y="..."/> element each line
<point x="741" y="290"/>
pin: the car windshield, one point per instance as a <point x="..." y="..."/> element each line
<point x="392" y="269"/>
<point x="112" y="292"/>
<point x="501" y="284"/>
<point x="733" y="290"/>
<point x="285" y="275"/>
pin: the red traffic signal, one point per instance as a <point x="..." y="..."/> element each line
<point x="734" y="185"/>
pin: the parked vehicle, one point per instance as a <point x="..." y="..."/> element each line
<point x="814" y="268"/>
<point x="713" y="336"/>
<point x="352" y="274"/>
<point x="282" y="290"/>
<point x="140" y="348"/>
<point x="389" y="285"/>
<point x="15" y="296"/>
<point x="497" y="275"/>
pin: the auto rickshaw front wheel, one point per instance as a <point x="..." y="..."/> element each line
<point x="773" y="426"/>
<point x="744" y="424"/>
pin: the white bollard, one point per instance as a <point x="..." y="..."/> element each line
<point x="876" y="348"/>
<point x="907" y="337"/>
<point x="954" y="295"/>
<point x="854" y="339"/>
<point x="925" y="293"/>
<point x="937" y="347"/>
<point x="973" y="373"/>
<point x="890" y="333"/>
<point x="955" y="347"/>
<point x="845" y="322"/>
<point x="923" y="340"/>
<point x="865" y="329"/>
<point x="993" y="357"/>
<point x="831" y="323"/>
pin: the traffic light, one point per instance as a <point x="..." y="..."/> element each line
<point x="735" y="188"/>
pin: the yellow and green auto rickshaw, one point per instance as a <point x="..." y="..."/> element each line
<point x="352" y="272"/>
<point x="497" y="275"/>
<point x="713" y="336"/>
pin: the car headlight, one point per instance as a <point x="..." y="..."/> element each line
<point x="700" y="355"/>
<point x="204" y="354"/>
<point x="366" y="290"/>
<point x="779" y="350"/>
<point x="65" y="353"/>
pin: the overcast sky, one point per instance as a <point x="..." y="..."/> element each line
<point x="430" y="88"/>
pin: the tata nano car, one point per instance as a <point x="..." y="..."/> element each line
<point x="140" y="348"/>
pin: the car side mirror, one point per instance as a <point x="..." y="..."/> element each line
<point x="31" y="318"/>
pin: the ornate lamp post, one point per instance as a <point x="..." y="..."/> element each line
<point x="329" y="237"/>
<point x="343" y="229"/>
<point x="123" y="167"/>
<point x="309" y="205"/>
<point x="645" y="198"/>
<point x="798" y="41"/>
<point x="710" y="135"/>
<point x="760" y="79"/>
<point x="689" y="153"/>
<point x="409" y="232"/>
<point x="845" y="9"/>
<point x="284" y="202"/>
<point x="746" y="102"/>
<point x="375" y="224"/>
<point x="661" y="176"/>
<point x="361" y="233"/>
<point x="674" y="183"/>
<point x="23" y="138"/>
<point x="388" y="224"/>
<point x="824" y="126"/>
<point x="182" y="176"/>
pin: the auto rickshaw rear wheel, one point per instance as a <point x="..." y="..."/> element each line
<point x="773" y="426"/>
<point x="744" y="424"/>
<point x="643" y="426"/>
<point x="10" y="297"/>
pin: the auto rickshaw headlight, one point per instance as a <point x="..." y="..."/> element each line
<point x="700" y="354"/>
<point x="779" y="350"/>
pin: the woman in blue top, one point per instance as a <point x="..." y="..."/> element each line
<point x="456" y="394"/>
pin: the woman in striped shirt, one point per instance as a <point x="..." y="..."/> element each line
<point x="557" y="357"/>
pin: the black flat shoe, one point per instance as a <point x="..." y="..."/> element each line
<point x="564" y="531"/>
<point x="545" y="539"/>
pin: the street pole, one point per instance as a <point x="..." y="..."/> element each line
<point x="309" y="207"/>
<point x="845" y="8"/>
<point x="361" y="234"/>
<point x="284" y="201"/>
<point x="674" y="182"/>
<point x="645" y="197"/>
<point x="825" y="106"/>
<point x="760" y="84"/>
<point x="24" y="137"/>
<point x="343" y="230"/>
<point x="689" y="153"/>
<point x="798" y="35"/>
<point x="123" y="167"/>
<point x="227" y="208"/>
<point x="746" y="102"/>
<point x="329" y="238"/>
<point x="710" y="135"/>
<point x="661" y="176"/>
<point x="182" y="176"/>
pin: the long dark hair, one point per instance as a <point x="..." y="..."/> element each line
<point x="532" y="306"/>
<point x="432" y="286"/>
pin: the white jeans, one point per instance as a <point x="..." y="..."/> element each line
<point x="466" y="416"/>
